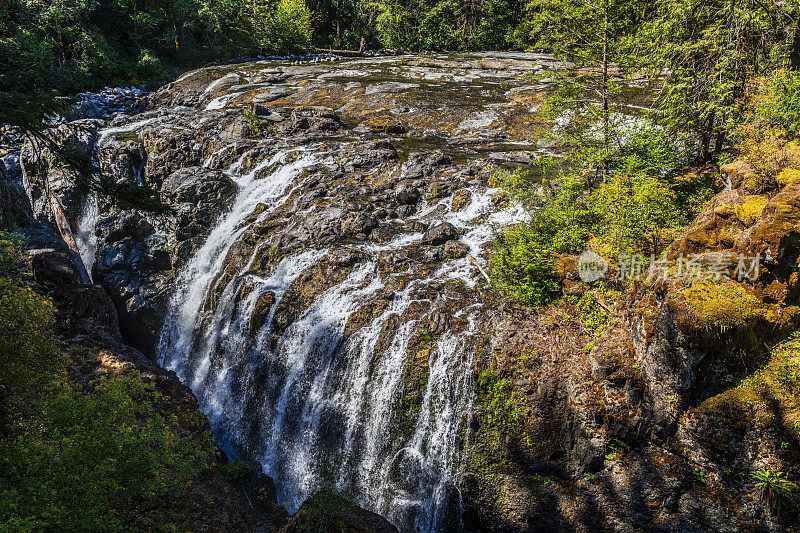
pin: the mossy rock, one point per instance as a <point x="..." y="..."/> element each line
<point x="770" y="395"/>
<point x="414" y="383"/>
<point x="725" y="210"/>
<point x="329" y="511"/>
<point x="461" y="200"/>
<point x="723" y="306"/>
<point x="384" y="124"/>
<point x="751" y="209"/>
<point x="788" y="175"/>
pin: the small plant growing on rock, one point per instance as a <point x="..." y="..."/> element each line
<point x="425" y="336"/>
<point x="774" y="487"/>
<point x="699" y="477"/>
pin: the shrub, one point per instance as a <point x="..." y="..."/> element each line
<point x="27" y="342"/>
<point x="771" y="395"/>
<point x="635" y="210"/>
<point x="10" y="257"/>
<point x="149" y="68"/>
<point x="105" y="459"/>
<point x="235" y="471"/>
<point x="523" y="266"/>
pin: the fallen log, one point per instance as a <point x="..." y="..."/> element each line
<point x="482" y="271"/>
<point x="345" y="53"/>
<point x="66" y="234"/>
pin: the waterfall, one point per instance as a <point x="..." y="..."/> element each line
<point x="85" y="237"/>
<point x="317" y="403"/>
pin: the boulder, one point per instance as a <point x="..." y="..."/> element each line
<point x="461" y="200"/>
<point x="406" y="194"/>
<point x="455" y="249"/>
<point x="440" y="234"/>
<point x="384" y="124"/>
<point x="315" y="118"/>
<point x="123" y="159"/>
<point x="338" y="513"/>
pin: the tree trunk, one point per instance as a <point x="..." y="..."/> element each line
<point x="706" y="136"/>
<point x="794" y="56"/>
<point x="606" y="126"/>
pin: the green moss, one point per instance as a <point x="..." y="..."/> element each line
<point x="723" y="306"/>
<point x="327" y="511"/>
<point x="414" y="382"/>
<point x="500" y="410"/>
<point x="235" y="471"/>
<point x="787" y="176"/>
<point x="771" y="394"/>
<point x="751" y="209"/>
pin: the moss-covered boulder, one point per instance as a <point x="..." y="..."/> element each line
<point x="329" y="511"/>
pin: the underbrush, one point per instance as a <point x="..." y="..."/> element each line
<point x="99" y="456"/>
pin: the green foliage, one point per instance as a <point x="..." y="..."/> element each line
<point x="10" y="257"/>
<point x="635" y="210"/>
<point x="150" y="68"/>
<point x="699" y="477"/>
<point x="630" y="212"/>
<point x="425" y="337"/>
<point x="27" y="343"/>
<point x="589" y="314"/>
<point x="73" y="45"/>
<point x="523" y="266"/>
<point x="99" y="459"/>
<point x="444" y="24"/>
<point x="326" y="510"/>
<point x="774" y="486"/>
<point x="287" y="27"/>
<point x="501" y="409"/>
<point x="710" y="50"/>
<point x="772" y="103"/>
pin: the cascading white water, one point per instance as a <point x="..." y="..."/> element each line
<point x="312" y="403"/>
<point x="85" y="237"/>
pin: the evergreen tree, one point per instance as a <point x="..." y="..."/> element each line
<point x="707" y="51"/>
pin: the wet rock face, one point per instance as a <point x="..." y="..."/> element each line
<point x="134" y="265"/>
<point x="198" y="196"/>
<point x="15" y="208"/>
